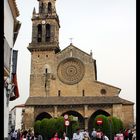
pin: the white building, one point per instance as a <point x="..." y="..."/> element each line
<point x="11" y="28"/>
<point x="15" y="117"/>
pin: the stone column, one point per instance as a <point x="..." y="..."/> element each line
<point x="55" y="111"/>
<point x="86" y="116"/>
<point x="43" y="33"/>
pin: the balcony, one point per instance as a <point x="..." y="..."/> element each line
<point x="7" y="58"/>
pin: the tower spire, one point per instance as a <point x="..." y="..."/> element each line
<point x="34" y="11"/>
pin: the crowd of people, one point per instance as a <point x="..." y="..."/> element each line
<point x="24" y="135"/>
<point x="128" y="134"/>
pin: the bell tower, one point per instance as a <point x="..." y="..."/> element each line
<point x="45" y="27"/>
<point x="43" y="47"/>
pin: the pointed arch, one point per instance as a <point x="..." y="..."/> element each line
<point x="47" y="68"/>
<point x="76" y="114"/>
<point x="42" y="116"/>
<point x="93" y="116"/>
<point x="49" y="7"/>
<point x="39" y="37"/>
<point x="41" y="6"/>
<point x="48" y="32"/>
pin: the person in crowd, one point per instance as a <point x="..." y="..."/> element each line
<point x="126" y="134"/>
<point x="99" y="134"/>
<point x="64" y="136"/>
<point x="78" y="135"/>
<point x="24" y="134"/>
<point x="55" y="137"/>
<point x="115" y="137"/>
<point x="120" y="136"/>
<point x="18" y="135"/>
<point x="40" y="137"/>
<point x="12" y="134"/>
<point x="104" y="137"/>
<point x="86" y="134"/>
<point x="28" y="136"/>
<point x="93" y="134"/>
<point x="134" y="135"/>
<point x="15" y="135"/>
<point x="130" y="134"/>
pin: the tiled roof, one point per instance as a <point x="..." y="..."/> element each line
<point x="76" y="100"/>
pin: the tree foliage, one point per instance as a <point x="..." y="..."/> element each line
<point x="47" y="127"/>
<point x="110" y="126"/>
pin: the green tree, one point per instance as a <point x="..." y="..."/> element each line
<point x="59" y="126"/>
<point x="37" y="125"/>
<point x="43" y="128"/>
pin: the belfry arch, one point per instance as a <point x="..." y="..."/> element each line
<point x="92" y="117"/>
<point x="43" y="115"/>
<point x="76" y="114"/>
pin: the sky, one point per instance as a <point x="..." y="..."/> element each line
<point x="105" y="27"/>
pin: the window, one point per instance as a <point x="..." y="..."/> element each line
<point x="59" y="92"/>
<point x="49" y="7"/>
<point x="46" y="71"/>
<point x="39" y="33"/>
<point x="48" y="32"/>
<point x="41" y="7"/>
<point x="83" y="92"/>
<point x="103" y="91"/>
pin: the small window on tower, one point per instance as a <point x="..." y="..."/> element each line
<point x="39" y="39"/>
<point x="59" y="92"/>
<point x="46" y="71"/>
<point x="49" y="7"/>
<point x="48" y="32"/>
<point x="83" y="92"/>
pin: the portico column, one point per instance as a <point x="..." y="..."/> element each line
<point x="55" y="111"/>
<point x="86" y="116"/>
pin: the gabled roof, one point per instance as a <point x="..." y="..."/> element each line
<point x="71" y="45"/>
<point x="89" y="100"/>
<point x="108" y="85"/>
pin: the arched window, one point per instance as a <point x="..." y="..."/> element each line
<point x="46" y="71"/>
<point x="39" y="38"/>
<point x="48" y="32"/>
<point x="49" y="7"/>
<point x="41" y="7"/>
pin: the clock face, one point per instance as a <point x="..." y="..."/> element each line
<point x="43" y="21"/>
<point x="71" y="71"/>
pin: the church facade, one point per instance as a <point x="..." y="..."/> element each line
<point x="65" y="81"/>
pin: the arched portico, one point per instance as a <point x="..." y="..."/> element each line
<point x="92" y="117"/>
<point x="42" y="116"/>
<point x="76" y="114"/>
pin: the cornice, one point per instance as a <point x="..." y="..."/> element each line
<point x="14" y="9"/>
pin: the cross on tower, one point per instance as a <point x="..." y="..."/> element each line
<point x="71" y="40"/>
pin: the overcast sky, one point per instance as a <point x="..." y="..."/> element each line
<point x="107" y="27"/>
